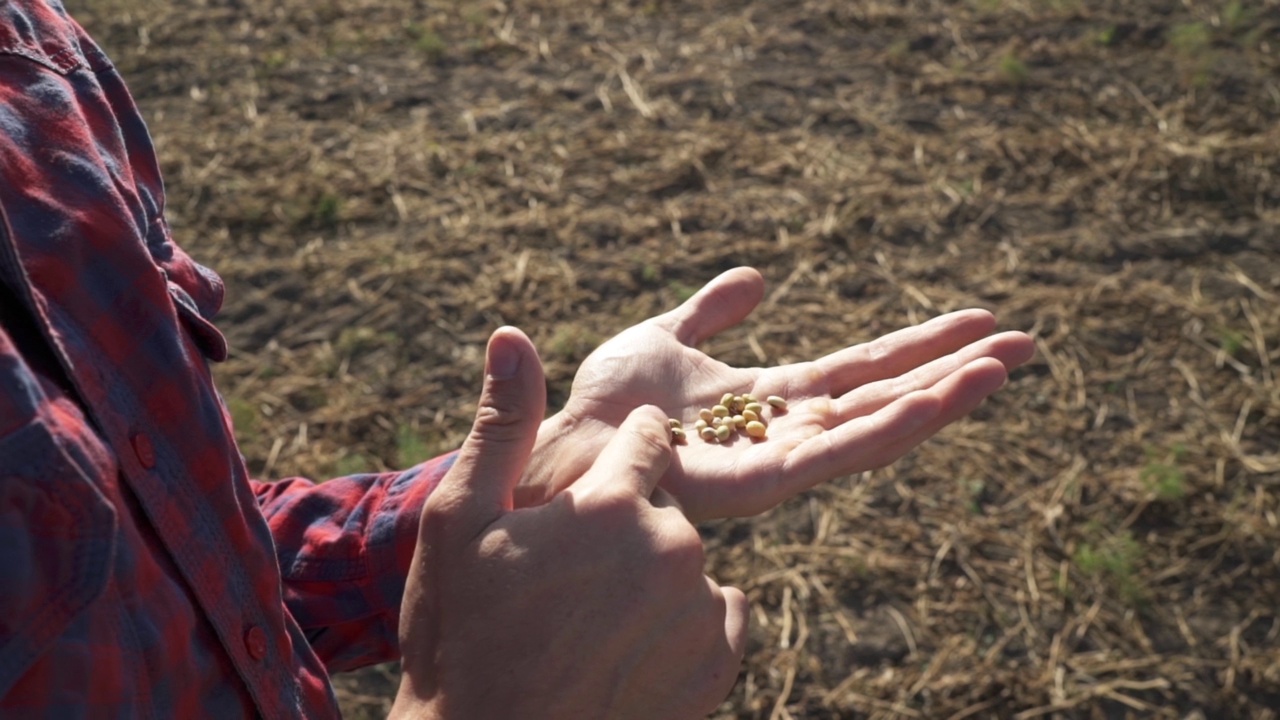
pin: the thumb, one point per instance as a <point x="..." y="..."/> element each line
<point x="477" y="489"/>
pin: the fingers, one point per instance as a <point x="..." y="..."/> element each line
<point x="634" y="459"/>
<point x="719" y="305"/>
<point x="1010" y="348"/>
<point x="901" y="351"/>
<point x="873" y="441"/>
<point x="725" y="658"/>
<point x="477" y="489"/>
<point x="736" y="620"/>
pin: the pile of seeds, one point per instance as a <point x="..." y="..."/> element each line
<point x="734" y="413"/>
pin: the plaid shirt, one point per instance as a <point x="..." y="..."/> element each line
<point x="142" y="573"/>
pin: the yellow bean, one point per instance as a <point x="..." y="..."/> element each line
<point x="750" y="415"/>
<point x="756" y="429"/>
<point x="705" y="414"/>
<point x="720" y="411"/>
<point x="677" y="434"/>
<point x="777" y="402"/>
<point x="707" y="434"/>
<point x="675" y="423"/>
<point x="739" y="421"/>
<point x="723" y="432"/>
<point x="754" y="407"/>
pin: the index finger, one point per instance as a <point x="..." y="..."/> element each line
<point x="635" y="458"/>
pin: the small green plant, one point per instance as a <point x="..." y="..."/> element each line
<point x="1106" y="36"/>
<point x="1190" y="39"/>
<point x="1113" y="560"/>
<point x="410" y="447"/>
<point x="244" y="416"/>
<point x="974" y="489"/>
<point x="427" y="41"/>
<point x="1192" y="44"/>
<point x="682" y="292"/>
<point x="275" y="59"/>
<point x="1012" y="69"/>
<point x="1163" y="474"/>
<point x="353" y="464"/>
<point x="323" y="213"/>
<point x="1231" y="341"/>
<point x="1236" y="16"/>
<point x="899" y="51"/>
<point x="572" y="343"/>
<point x="360" y="339"/>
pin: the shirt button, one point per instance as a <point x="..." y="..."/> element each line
<point x="255" y="641"/>
<point x="144" y="451"/>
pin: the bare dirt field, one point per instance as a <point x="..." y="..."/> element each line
<point x="384" y="183"/>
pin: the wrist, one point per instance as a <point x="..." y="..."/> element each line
<point x="413" y="705"/>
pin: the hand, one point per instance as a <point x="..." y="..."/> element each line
<point x="854" y="410"/>
<point x="592" y="605"/>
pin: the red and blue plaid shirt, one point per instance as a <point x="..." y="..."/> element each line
<point x="143" y="574"/>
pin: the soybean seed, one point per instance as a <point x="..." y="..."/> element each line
<point x="754" y="407"/>
<point x="748" y="398"/>
<point x="720" y="411"/>
<point x="677" y="434"/>
<point x="739" y="421"/>
<point x="726" y="399"/>
<point x="750" y="415"/>
<point x="705" y="414"/>
<point x="675" y="423"/>
<point x="777" y="402"/>
<point x="756" y="429"/>
<point x="700" y="425"/>
<point x="723" y="432"/>
<point x="707" y="434"/>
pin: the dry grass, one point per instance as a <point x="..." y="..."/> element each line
<point x="384" y="183"/>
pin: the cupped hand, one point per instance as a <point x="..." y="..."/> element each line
<point x="856" y="409"/>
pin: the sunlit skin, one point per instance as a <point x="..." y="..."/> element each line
<point x="856" y="409"/>
<point x="583" y="501"/>
<point x="591" y="605"/>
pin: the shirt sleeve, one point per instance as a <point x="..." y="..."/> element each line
<point x="344" y="547"/>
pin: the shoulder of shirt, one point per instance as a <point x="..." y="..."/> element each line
<point x="41" y="31"/>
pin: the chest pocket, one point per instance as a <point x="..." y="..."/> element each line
<point x="57" y="544"/>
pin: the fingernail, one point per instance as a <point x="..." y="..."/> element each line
<point x="504" y="358"/>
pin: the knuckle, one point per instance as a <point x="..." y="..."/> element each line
<point x="651" y="432"/>
<point x="494" y="423"/>
<point x="439" y="508"/>
<point x="679" y="546"/>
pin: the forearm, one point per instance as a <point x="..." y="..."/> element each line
<point x="344" y="548"/>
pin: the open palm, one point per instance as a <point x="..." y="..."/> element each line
<point x="853" y="410"/>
